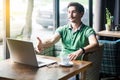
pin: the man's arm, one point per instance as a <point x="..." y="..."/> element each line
<point x="48" y="42"/>
<point x="93" y="44"/>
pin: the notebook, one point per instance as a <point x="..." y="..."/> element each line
<point x="23" y="52"/>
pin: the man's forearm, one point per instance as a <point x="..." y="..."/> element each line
<point x="91" y="48"/>
<point x="47" y="44"/>
<point x="51" y="41"/>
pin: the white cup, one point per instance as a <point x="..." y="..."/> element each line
<point x="65" y="59"/>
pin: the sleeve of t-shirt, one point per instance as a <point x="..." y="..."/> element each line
<point x="59" y="30"/>
<point x="89" y="32"/>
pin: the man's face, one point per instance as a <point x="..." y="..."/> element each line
<point x="73" y="15"/>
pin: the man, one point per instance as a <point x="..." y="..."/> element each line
<point x="77" y="38"/>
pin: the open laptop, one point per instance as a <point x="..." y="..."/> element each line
<point x="23" y="52"/>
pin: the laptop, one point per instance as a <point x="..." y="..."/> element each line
<point x="23" y="52"/>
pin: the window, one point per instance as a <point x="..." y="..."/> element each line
<point x="40" y="22"/>
<point x="63" y="11"/>
<point x="18" y="9"/>
<point x="1" y="29"/>
<point x="41" y="19"/>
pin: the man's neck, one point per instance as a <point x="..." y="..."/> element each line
<point x="76" y="25"/>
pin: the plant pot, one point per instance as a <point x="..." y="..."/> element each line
<point x="107" y="27"/>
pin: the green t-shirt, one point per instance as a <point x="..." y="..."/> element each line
<point x="72" y="41"/>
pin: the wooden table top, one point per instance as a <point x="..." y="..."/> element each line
<point x="109" y="33"/>
<point x="17" y="71"/>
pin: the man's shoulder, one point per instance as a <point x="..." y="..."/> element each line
<point x="87" y="27"/>
<point x="64" y="26"/>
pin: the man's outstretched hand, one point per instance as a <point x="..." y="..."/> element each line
<point x="39" y="45"/>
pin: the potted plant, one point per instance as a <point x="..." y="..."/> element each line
<point x="108" y="20"/>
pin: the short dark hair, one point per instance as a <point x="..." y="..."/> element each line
<point x="79" y="7"/>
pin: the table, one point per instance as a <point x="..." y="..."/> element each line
<point x="109" y="33"/>
<point x="17" y="71"/>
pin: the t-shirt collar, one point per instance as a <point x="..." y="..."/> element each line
<point x="70" y="27"/>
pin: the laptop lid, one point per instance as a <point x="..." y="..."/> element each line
<point x="23" y="52"/>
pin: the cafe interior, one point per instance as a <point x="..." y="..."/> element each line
<point x="21" y="19"/>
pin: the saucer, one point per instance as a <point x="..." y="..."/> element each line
<point x="66" y="65"/>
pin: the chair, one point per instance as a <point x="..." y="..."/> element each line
<point x="110" y="66"/>
<point x="95" y="57"/>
